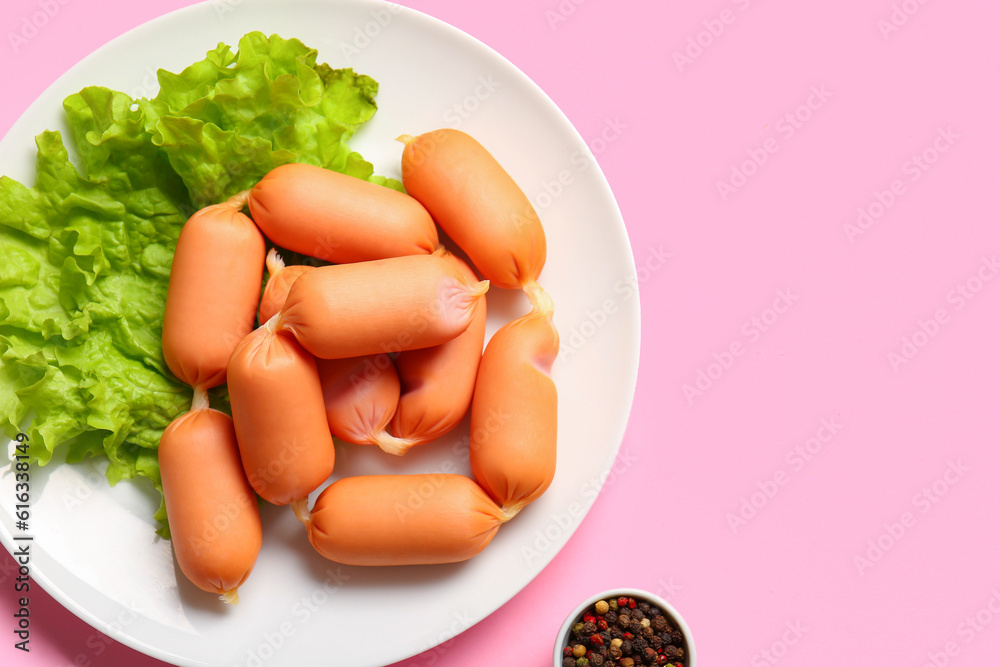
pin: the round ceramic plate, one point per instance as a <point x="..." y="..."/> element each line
<point x="95" y="548"/>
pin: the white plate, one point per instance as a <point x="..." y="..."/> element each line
<point x="95" y="549"/>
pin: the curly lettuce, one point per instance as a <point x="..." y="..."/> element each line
<point x="87" y="249"/>
<point x="226" y="121"/>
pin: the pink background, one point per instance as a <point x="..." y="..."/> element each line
<point x="904" y="450"/>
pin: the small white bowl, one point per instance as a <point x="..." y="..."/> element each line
<point x="691" y="656"/>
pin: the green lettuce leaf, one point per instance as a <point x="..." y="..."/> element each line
<point x="82" y="292"/>
<point x="227" y="120"/>
<point x="87" y="250"/>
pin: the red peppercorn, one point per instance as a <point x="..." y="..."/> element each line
<point x="568" y="651"/>
<point x="631" y="603"/>
<point x="623" y="602"/>
<point x="628" y="635"/>
<point x="589" y="618"/>
<point x="597" y="640"/>
<point x="602" y="624"/>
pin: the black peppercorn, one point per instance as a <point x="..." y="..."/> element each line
<point x="623" y="621"/>
<point x="589" y="629"/>
<point x="611" y="618"/>
<point x="597" y="660"/>
<point x="637" y="613"/>
<point x="659" y="623"/>
<point x="635" y="627"/>
<point x="650" y="655"/>
<point x="615" y="652"/>
<point x="569" y="662"/>
<point x="644" y="606"/>
<point x="656" y="642"/>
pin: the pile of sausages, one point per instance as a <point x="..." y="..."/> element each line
<point x="382" y="347"/>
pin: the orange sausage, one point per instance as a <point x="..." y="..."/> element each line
<point x="402" y="520"/>
<point x="279" y="281"/>
<point x="361" y="394"/>
<point x="280" y="419"/>
<point x="477" y="204"/>
<point x="437" y="382"/>
<point x="213" y="292"/>
<point x="214" y="521"/>
<point x="386" y="305"/>
<point x="512" y="444"/>
<point x="339" y="218"/>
